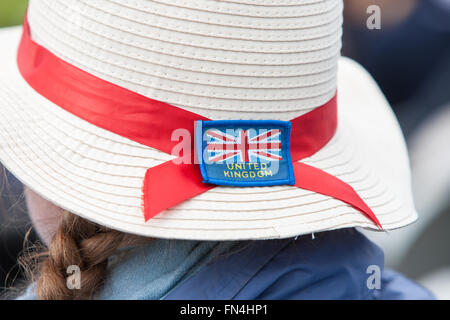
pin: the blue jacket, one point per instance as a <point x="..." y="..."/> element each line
<point x="341" y="264"/>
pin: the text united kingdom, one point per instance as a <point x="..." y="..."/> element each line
<point x="244" y="152"/>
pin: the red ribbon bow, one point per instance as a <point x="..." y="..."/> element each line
<point x="145" y="121"/>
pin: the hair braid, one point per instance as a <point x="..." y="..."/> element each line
<point x="84" y="244"/>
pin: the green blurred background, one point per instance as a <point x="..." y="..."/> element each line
<point x="11" y="12"/>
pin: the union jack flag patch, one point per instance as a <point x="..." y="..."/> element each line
<point x="244" y="152"/>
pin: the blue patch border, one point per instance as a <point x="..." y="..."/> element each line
<point x="200" y="124"/>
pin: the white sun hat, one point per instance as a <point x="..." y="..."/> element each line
<point x="223" y="60"/>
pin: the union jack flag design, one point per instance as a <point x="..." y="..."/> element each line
<point x="244" y="145"/>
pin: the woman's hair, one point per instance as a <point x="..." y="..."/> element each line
<point x="77" y="242"/>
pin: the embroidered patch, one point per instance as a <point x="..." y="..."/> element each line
<point x="245" y="152"/>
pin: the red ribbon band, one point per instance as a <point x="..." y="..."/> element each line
<point x="145" y="121"/>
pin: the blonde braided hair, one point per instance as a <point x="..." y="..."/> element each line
<point x="76" y="242"/>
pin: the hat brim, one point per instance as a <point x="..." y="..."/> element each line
<point x="98" y="175"/>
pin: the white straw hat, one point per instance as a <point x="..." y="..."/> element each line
<point x="228" y="59"/>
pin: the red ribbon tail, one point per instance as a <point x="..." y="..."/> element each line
<point x="313" y="179"/>
<point x="169" y="184"/>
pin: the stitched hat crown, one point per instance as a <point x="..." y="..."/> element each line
<point x="240" y="59"/>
